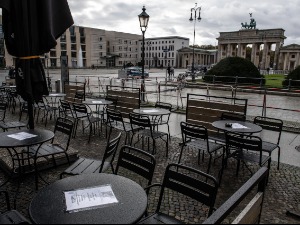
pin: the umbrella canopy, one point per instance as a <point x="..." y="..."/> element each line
<point x="31" y="28"/>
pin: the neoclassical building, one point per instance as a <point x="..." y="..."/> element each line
<point x="290" y="57"/>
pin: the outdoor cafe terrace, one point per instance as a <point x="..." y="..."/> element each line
<point x="281" y="194"/>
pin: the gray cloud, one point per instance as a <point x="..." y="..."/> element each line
<point x="172" y="17"/>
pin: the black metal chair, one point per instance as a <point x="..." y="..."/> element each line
<point x="5" y="126"/>
<point x="196" y="136"/>
<point x="79" y="97"/>
<point x="220" y="136"/>
<point x="115" y="120"/>
<point x="244" y="148"/>
<point x="65" y="110"/>
<point x="190" y="182"/>
<point x="165" y="119"/>
<point x="11" y="216"/>
<point x="49" y="110"/>
<point x="83" y="113"/>
<point x="273" y="125"/>
<point x="88" y="166"/>
<point x="137" y="161"/>
<point x="147" y="130"/>
<point x="59" y="145"/>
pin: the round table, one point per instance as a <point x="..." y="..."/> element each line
<point x="251" y="127"/>
<point x="98" y="102"/>
<point x="152" y="111"/>
<point x="38" y="137"/>
<point x="49" y="207"/>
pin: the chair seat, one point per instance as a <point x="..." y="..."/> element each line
<point x="201" y="144"/>
<point x="95" y="119"/>
<point x="218" y="137"/>
<point x="250" y="157"/>
<point x="11" y="125"/>
<point x="46" y="150"/>
<point x="126" y="126"/>
<point x="160" y="218"/>
<point x="86" y="166"/>
<point x="269" y="147"/>
<point x="13" y="217"/>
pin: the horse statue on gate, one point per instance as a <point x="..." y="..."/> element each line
<point x="252" y="24"/>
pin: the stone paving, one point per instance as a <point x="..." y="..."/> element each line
<point x="283" y="191"/>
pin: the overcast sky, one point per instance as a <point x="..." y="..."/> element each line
<point x="171" y="18"/>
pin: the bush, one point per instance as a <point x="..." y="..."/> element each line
<point x="234" y="67"/>
<point x="294" y="76"/>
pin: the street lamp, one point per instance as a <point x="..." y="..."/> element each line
<point x="195" y="10"/>
<point x="144" y="19"/>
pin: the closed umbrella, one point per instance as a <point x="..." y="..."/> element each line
<point x="31" y="28"/>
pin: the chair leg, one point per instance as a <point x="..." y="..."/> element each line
<point x="279" y="154"/>
<point x="181" y="152"/>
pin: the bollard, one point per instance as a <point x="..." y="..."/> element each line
<point x="57" y="86"/>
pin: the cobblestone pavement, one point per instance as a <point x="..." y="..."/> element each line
<point x="283" y="191"/>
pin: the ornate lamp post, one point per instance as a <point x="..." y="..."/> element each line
<point x="144" y="19"/>
<point x="195" y="10"/>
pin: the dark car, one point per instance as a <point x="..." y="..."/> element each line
<point x="136" y="72"/>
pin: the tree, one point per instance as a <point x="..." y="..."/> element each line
<point x="227" y="70"/>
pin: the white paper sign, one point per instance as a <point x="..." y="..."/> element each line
<point x="150" y="111"/>
<point x="97" y="102"/>
<point x="89" y="198"/>
<point x="238" y="126"/>
<point x="22" y="136"/>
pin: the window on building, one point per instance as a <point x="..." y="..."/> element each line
<point x="101" y="47"/>
<point x="100" y="39"/>
<point x="293" y="56"/>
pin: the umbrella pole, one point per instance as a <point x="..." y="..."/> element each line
<point x="30" y="114"/>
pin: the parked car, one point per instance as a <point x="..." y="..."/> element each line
<point x="136" y="72"/>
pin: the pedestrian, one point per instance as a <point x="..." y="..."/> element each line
<point x="169" y="70"/>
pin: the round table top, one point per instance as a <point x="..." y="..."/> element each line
<point x="249" y="128"/>
<point x="49" y="206"/>
<point x="57" y="95"/>
<point x="98" y="102"/>
<point x="152" y="111"/>
<point x="25" y="138"/>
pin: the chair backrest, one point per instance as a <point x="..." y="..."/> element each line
<point x="79" y="96"/>
<point x="80" y="109"/>
<point x="65" y="127"/>
<point x="66" y="107"/>
<point x="137" y="161"/>
<point x="140" y="121"/>
<point x="163" y="105"/>
<point x="271" y="124"/>
<point x="114" y="116"/>
<point x="242" y="141"/>
<point x="192" y="131"/>
<point x="110" y="151"/>
<point x="113" y="99"/>
<point x="192" y="183"/>
<point x="3" y="107"/>
<point x="233" y="116"/>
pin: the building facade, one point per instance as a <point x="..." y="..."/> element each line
<point x="290" y="57"/>
<point x="162" y="51"/>
<point x="201" y="57"/>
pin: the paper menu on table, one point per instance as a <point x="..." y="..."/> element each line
<point x="238" y="126"/>
<point x="22" y="136"/>
<point x="85" y="199"/>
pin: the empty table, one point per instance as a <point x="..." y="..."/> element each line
<point x="98" y="103"/>
<point x="154" y="112"/>
<point x="237" y="126"/>
<point x="49" y="205"/>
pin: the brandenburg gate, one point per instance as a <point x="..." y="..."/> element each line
<point x="233" y="44"/>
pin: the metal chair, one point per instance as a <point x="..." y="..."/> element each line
<point x="79" y="97"/>
<point x="137" y="161"/>
<point x="115" y="120"/>
<point x="190" y="182"/>
<point x="11" y="216"/>
<point x="196" y="136"/>
<point x="274" y="125"/>
<point x="146" y="130"/>
<point x="84" y="114"/>
<point x="244" y="148"/>
<point x="88" y="166"/>
<point x="220" y="136"/>
<point x="59" y="145"/>
<point x="5" y="126"/>
<point x="164" y="120"/>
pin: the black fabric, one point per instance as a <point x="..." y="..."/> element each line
<point x="31" y="28"/>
